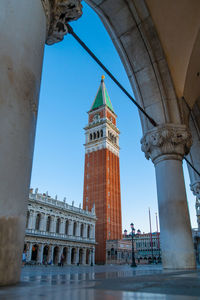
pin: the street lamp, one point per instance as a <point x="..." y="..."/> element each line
<point x="133" y="254"/>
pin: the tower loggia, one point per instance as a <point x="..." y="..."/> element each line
<point x="102" y="172"/>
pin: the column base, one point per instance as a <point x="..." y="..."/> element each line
<point x="11" y="247"/>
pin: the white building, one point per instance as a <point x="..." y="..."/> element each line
<point x="54" y="228"/>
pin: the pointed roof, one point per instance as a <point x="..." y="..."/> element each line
<point x="102" y="97"/>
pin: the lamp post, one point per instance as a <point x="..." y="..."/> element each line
<point x="133" y="254"/>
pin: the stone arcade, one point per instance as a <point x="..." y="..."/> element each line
<point x="160" y="54"/>
<point x="54" y="228"/>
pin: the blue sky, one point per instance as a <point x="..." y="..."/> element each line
<point x="70" y="81"/>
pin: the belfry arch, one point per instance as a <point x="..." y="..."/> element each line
<point x="132" y="30"/>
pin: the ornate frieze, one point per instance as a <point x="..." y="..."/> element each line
<point x="167" y="139"/>
<point x="58" y="14"/>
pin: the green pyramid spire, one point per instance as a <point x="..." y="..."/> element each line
<point x="102" y="97"/>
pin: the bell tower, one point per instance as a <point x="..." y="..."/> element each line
<point x="102" y="175"/>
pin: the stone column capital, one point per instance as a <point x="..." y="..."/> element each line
<point x="58" y="14"/>
<point x="195" y="188"/>
<point x="167" y="141"/>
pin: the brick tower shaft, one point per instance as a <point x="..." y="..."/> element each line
<point x="102" y="172"/>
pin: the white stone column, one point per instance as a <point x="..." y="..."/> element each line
<point x="78" y="229"/>
<point x="84" y="231"/>
<point x="93" y="256"/>
<point x="93" y="232"/>
<point x="53" y="224"/>
<point x="50" y="254"/>
<point x="70" y="228"/>
<point x="69" y="253"/>
<point x="84" y="257"/>
<point x="24" y="27"/>
<point x="89" y="258"/>
<point x="62" y="226"/>
<point x="30" y="219"/>
<point x="33" y="216"/>
<point x="77" y="256"/>
<point x="166" y="145"/>
<point x="29" y="253"/>
<point x="21" y="57"/>
<point x="42" y="220"/>
<point x="60" y="253"/>
<point x="40" y="253"/>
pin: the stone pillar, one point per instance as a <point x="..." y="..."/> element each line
<point x="62" y="226"/>
<point x="69" y="253"/>
<point x="84" y="257"/>
<point x="29" y="253"/>
<point x="70" y="228"/>
<point x="50" y="254"/>
<point x="77" y="256"/>
<point x="93" y="232"/>
<point x="40" y="253"/>
<point x="30" y="220"/>
<point x="166" y="145"/>
<point x="93" y="257"/>
<point x="78" y="229"/>
<point x="195" y="188"/>
<point x="53" y="224"/>
<point x="42" y="222"/>
<point x="25" y="25"/>
<point x="89" y="258"/>
<point x="84" y="231"/>
<point x="21" y="57"/>
<point x="33" y="216"/>
<point x="60" y="253"/>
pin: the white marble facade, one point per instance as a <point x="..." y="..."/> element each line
<point x="55" y="229"/>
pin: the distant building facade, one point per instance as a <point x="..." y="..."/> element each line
<point x="102" y="173"/>
<point x="55" y="230"/>
<point x="118" y="251"/>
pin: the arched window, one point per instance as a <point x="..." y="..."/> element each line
<point x="90" y="136"/>
<point x="74" y="229"/>
<point x="58" y="225"/>
<point x="88" y="232"/>
<point x="94" y="135"/>
<point x="48" y="224"/>
<point x="81" y="231"/>
<point x="66" y="227"/>
<point x="98" y="134"/>
<point x="37" y="223"/>
<point x="101" y="133"/>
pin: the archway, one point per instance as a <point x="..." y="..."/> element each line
<point x="81" y="256"/>
<point x="56" y="255"/>
<point x="147" y="68"/>
<point x="65" y="252"/>
<point x="34" y="252"/>
<point x="73" y="256"/>
<point x="45" y="254"/>
<point x="87" y="257"/>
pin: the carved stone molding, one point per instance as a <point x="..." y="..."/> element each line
<point x="58" y="13"/>
<point x="167" y="139"/>
<point x="195" y="188"/>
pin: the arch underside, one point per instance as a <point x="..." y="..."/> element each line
<point x="134" y="36"/>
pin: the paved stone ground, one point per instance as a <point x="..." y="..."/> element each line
<point x="104" y="283"/>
